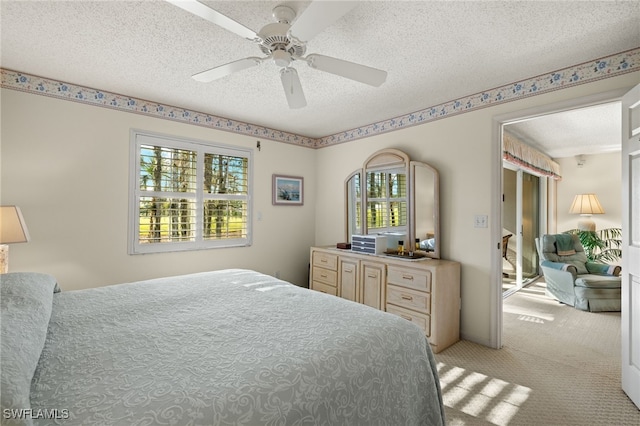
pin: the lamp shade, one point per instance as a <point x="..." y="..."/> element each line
<point x="12" y="226"/>
<point x="586" y="204"/>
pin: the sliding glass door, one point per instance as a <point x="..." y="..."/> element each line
<point x="530" y="226"/>
<point x="520" y="227"/>
<point x="509" y="227"/>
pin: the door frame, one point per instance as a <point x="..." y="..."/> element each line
<point x="496" y="193"/>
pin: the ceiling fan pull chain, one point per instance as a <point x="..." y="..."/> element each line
<point x="287" y="70"/>
<point x="291" y="86"/>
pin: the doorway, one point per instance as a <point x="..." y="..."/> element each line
<point x="548" y="220"/>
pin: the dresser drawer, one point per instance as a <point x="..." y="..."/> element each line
<point x="325" y="276"/>
<point x="325" y="260"/>
<point x="407" y="298"/>
<point x="411" y="278"/>
<point x="421" y="320"/>
<point x="324" y="288"/>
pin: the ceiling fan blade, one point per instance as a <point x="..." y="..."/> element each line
<point x="292" y="88"/>
<point x="224" y="70"/>
<point x="318" y="16"/>
<point x="351" y="70"/>
<point x="211" y="15"/>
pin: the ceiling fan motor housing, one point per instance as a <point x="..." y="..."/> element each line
<point x="284" y="14"/>
<point x="274" y="38"/>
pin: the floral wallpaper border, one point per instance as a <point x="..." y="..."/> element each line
<point x="43" y="86"/>
<point x="610" y="66"/>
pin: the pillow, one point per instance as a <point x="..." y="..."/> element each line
<point x="428" y="245"/>
<point x="26" y="301"/>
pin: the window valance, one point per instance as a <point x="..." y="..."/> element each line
<point x="517" y="152"/>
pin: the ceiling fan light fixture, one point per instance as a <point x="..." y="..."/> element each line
<point x="281" y="58"/>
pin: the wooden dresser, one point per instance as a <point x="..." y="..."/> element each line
<point x="425" y="292"/>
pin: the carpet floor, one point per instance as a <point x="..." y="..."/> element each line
<point x="558" y="366"/>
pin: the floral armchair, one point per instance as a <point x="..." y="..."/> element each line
<point x="575" y="281"/>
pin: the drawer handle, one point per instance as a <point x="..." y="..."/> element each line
<point x="372" y="275"/>
<point x="405" y="297"/>
<point x="323" y="260"/>
<point x="408" y="318"/>
<point x="348" y="270"/>
<point x="323" y="275"/>
<point x="407" y="277"/>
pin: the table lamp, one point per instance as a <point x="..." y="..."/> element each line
<point x="586" y="205"/>
<point x="12" y="230"/>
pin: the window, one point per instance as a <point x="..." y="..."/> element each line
<point x="386" y="201"/>
<point x="188" y="195"/>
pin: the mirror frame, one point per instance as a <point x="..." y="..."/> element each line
<point x="435" y="254"/>
<point x="396" y="159"/>
<point x="347" y="201"/>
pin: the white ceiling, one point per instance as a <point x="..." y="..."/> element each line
<point x="433" y="51"/>
<point x="585" y="131"/>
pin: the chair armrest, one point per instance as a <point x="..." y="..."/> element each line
<point x="560" y="266"/>
<point x="603" y="269"/>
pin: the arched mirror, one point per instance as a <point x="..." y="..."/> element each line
<point x="396" y="197"/>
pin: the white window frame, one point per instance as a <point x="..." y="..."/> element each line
<point x="139" y="138"/>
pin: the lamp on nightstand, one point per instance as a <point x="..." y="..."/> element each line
<point x="585" y="205"/>
<point x="12" y="230"/>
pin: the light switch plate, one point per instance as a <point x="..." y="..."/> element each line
<point x="480" y="221"/>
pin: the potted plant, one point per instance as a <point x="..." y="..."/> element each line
<point x="601" y="246"/>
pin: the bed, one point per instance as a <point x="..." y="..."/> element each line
<point x="232" y="347"/>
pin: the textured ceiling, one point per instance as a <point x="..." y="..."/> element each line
<point x="591" y="130"/>
<point x="433" y="51"/>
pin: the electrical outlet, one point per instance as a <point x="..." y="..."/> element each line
<point x="480" y="221"/>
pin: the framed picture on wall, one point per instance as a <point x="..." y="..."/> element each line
<point x="288" y="190"/>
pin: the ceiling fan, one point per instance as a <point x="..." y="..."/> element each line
<point x="284" y="42"/>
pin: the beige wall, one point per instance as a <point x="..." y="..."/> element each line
<point x="601" y="174"/>
<point x="463" y="149"/>
<point x="67" y="166"/>
<point x="56" y="154"/>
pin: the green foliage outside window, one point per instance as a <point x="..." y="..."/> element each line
<point x="386" y="200"/>
<point x="169" y="177"/>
